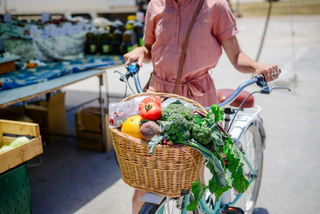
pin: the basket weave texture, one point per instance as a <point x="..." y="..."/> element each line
<point x="168" y="172"/>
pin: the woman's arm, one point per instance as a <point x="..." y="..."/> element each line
<point x="245" y="64"/>
<point x="139" y="55"/>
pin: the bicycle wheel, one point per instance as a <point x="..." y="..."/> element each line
<point x="163" y="207"/>
<point x="251" y="146"/>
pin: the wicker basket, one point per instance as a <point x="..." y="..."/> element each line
<point x="168" y="172"/>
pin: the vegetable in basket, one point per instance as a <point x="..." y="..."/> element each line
<point x="132" y="127"/>
<point x="180" y="125"/>
<point x="151" y="99"/>
<point x="149" y="129"/>
<point x="150" y="111"/>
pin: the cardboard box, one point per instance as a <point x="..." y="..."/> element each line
<point x="88" y="125"/>
<point x="15" y="112"/>
<point x="51" y="116"/>
<point x="11" y="112"/>
<point x="6" y="67"/>
<point x="7" y="63"/>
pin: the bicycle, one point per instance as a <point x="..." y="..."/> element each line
<point x="243" y="123"/>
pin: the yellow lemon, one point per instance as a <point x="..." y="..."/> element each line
<point x="132" y="127"/>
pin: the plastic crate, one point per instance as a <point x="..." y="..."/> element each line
<point x="15" y="191"/>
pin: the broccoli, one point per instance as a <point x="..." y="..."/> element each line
<point x="181" y="120"/>
<point x="177" y="108"/>
<point x="202" y="133"/>
<point x="179" y="130"/>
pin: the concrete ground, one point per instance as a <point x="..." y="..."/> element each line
<point x="69" y="180"/>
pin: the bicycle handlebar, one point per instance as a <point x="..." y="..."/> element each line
<point x="133" y="69"/>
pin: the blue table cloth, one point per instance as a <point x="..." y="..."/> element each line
<point x="53" y="70"/>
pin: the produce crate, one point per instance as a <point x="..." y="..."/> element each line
<point x="9" y="130"/>
<point x="15" y="190"/>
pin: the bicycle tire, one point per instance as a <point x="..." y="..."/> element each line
<point x="151" y="208"/>
<point x="249" y="198"/>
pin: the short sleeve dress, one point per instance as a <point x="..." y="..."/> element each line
<point x="166" y="26"/>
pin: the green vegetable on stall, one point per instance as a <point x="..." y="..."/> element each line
<point x="19" y="141"/>
<point x="5" y="148"/>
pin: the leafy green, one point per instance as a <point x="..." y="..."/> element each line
<point x="235" y="166"/>
<point x="19" y="141"/>
<point x="198" y="189"/>
<point x="5" y="148"/>
<point x="215" y="162"/>
<point x="217" y="112"/>
<point x="154" y="142"/>
<point x="180" y="125"/>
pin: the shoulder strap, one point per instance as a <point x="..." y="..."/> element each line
<point x="185" y="45"/>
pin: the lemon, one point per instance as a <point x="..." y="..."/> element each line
<point x="132" y="127"/>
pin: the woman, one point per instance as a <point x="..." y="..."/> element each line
<point x="166" y="26"/>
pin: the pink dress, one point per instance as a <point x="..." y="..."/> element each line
<point x="166" y="26"/>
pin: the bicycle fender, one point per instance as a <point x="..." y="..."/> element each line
<point x="152" y="198"/>
<point x="241" y="126"/>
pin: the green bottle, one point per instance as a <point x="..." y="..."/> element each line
<point x="90" y="46"/>
<point x="117" y="41"/>
<point x="138" y="28"/>
<point x="106" y="42"/>
<point x="129" y="40"/>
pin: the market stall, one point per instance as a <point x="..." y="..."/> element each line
<point x="41" y="52"/>
<point x="20" y="86"/>
<point x="58" y="52"/>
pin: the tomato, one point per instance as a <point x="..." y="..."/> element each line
<point x="150" y="99"/>
<point x="150" y="111"/>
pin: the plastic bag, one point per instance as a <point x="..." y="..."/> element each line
<point x="119" y="112"/>
<point x="165" y="103"/>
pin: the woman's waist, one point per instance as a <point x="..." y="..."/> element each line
<point x="163" y="77"/>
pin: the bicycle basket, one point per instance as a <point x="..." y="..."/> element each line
<point x="168" y="172"/>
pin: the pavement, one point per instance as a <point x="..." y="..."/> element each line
<point x="70" y="180"/>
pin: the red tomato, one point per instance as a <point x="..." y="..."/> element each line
<point x="146" y="100"/>
<point x="150" y="111"/>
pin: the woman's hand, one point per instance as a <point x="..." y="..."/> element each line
<point x="139" y="55"/>
<point x="269" y="72"/>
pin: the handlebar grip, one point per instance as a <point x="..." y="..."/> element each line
<point x="261" y="82"/>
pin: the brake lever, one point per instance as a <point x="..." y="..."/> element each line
<point x="279" y="87"/>
<point x="265" y="88"/>
<point x="123" y="77"/>
<point x="132" y="69"/>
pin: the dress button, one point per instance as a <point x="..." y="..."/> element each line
<point x="176" y="23"/>
<point x="175" y="35"/>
